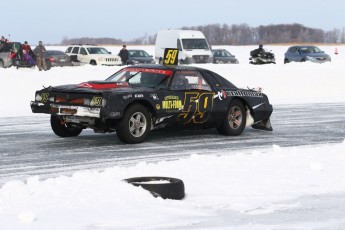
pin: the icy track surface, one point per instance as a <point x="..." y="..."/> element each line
<point x="292" y="179"/>
<point x="29" y="147"/>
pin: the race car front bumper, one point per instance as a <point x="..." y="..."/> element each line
<point x="65" y="110"/>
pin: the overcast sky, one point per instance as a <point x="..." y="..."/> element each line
<point x="51" y="21"/>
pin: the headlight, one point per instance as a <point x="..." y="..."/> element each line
<point x="101" y="59"/>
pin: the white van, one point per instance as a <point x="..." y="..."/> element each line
<point x="192" y="45"/>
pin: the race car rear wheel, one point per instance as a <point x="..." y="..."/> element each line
<point x="135" y="125"/>
<point x="63" y="130"/>
<point x="235" y="119"/>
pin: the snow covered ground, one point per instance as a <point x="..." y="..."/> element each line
<point x="242" y="189"/>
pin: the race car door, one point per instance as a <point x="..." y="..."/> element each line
<point x="193" y="97"/>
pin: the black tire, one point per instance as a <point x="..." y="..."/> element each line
<point x="286" y="61"/>
<point x="234" y="121"/>
<point x="174" y="189"/>
<point x="93" y="62"/>
<point x="303" y="60"/>
<point x="63" y="130"/>
<point x="2" y="65"/>
<point x="135" y="125"/>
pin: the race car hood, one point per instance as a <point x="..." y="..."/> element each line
<point x="91" y="86"/>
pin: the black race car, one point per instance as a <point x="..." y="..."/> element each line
<point x="137" y="99"/>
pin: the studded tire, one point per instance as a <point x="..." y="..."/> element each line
<point x="234" y="121"/>
<point x="63" y="130"/>
<point x="135" y="125"/>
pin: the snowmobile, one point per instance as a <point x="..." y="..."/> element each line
<point x="263" y="57"/>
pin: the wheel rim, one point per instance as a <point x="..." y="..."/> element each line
<point x="235" y="117"/>
<point x="137" y="124"/>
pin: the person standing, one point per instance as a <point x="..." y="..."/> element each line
<point x="124" y="55"/>
<point x="2" y="42"/>
<point x="26" y="47"/>
<point x="39" y="51"/>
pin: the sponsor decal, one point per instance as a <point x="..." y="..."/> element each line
<point x="158" y="106"/>
<point x="146" y="70"/>
<point x="171" y="98"/>
<point x="172" y="104"/>
<point x="138" y="95"/>
<point x="127" y="96"/>
<point x="96" y="101"/>
<point x="220" y="95"/>
<point x="44" y="97"/>
<point x="243" y="93"/>
<point x="154" y="96"/>
<point x="115" y="114"/>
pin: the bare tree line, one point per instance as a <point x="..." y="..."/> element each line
<point x="241" y="34"/>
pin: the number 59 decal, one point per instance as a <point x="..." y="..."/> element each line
<point x="170" y="56"/>
<point x="196" y="108"/>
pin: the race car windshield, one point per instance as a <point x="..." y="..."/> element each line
<point x="154" y="78"/>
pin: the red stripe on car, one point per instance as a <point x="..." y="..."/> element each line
<point x="103" y="85"/>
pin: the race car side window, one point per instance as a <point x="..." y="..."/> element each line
<point x="189" y="80"/>
<point x="218" y="80"/>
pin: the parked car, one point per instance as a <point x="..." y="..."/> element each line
<point x="306" y="53"/>
<point x="222" y="56"/>
<point x="139" y="57"/>
<point x="57" y="58"/>
<point x="137" y="99"/>
<point x="93" y="55"/>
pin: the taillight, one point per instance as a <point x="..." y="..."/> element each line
<point x="51" y="59"/>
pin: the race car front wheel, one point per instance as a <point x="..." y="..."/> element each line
<point x="234" y="121"/>
<point x="62" y="129"/>
<point x="134" y="125"/>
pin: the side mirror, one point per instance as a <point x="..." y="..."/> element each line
<point x="109" y="52"/>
